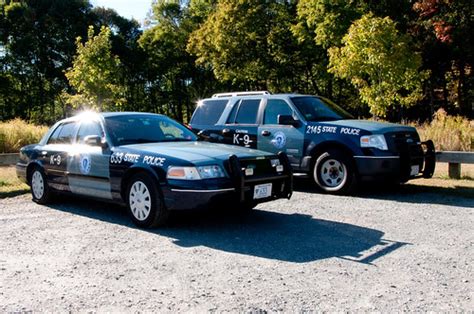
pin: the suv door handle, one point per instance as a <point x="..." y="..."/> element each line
<point x="225" y="131"/>
<point x="266" y="133"/>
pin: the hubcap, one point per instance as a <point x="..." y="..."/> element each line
<point x="139" y="200"/>
<point x="333" y="173"/>
<point x="37" y="184"/>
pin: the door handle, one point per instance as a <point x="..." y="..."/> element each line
<point x="225" y="131"/>
<point x="266" y="133"/>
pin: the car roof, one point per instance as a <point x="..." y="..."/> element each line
<point x="102" y="115"/>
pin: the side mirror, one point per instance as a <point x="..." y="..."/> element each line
<point x="288" y="120"/>
<point x="94" y="140"/>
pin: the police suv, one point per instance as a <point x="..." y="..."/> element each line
<point x="152" y="164"/>
<point x="319" y="137"/>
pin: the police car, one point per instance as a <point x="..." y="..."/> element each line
<point x="319" y="137"/>
<point x="151" y="163"/>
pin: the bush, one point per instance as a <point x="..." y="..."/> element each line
<point x="448" y="132"/>
<point x="17" y="133"/>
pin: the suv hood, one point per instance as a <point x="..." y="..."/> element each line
<point x="370" y="126"/>
<point x="196" y="151"/>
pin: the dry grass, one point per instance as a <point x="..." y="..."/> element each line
<point x="452" y="133"/>
<point x="10" y="185"/>
<point x="17" y="133"/>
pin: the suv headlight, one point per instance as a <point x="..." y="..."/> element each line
<point x="375" y="141"/>
<point x="195" y="173"/>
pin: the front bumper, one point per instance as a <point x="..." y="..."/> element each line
<point x="228" y="193"/>
<point x="416" y="161"/>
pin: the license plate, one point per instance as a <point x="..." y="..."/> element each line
<point x="414" y="170"/>
<point x="262" y="191"/>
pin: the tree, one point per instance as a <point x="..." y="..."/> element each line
<point x="95" y="74"/>
<point x="37" y="45"/>
<point x="380" y="63"/>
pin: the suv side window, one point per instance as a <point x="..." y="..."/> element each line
<point x="245" y="112"/>
<point x="88" y="128"/>
<point x="274" y="108"/>
<point x="208" y="112"/>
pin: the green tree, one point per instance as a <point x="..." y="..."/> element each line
<point x="95" y="74"/>
<point x="380" y="63"/>
<point x="36" y="46"/>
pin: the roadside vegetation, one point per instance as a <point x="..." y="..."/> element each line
<point x="453" y="133"/>
<point x="17" y="133"/>
<point x="10" y="185"/>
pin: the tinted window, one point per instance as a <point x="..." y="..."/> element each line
<point x="274" y="108"/>
<point x="208" y="112"/>
<point x="248" y="110"/>
<point x="88" y="128"/>
<point x="134" y="129"/>
<point x="63" y="134"/>
<point x="53" y="139"/>
<point x="319" y="109"/>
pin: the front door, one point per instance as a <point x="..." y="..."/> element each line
<point x="275" y="138"/>
<point x="89" y="164"/>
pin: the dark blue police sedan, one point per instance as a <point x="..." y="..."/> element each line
<point x="152" y="164"/>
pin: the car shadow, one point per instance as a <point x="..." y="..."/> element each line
<point x="293" y="237"/>
<point x="408" y="192"/>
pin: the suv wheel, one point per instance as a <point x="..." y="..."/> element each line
<point x="333" y="172"/>
<point x="144" y="202"/>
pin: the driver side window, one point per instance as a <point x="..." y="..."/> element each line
<point x="88" y="128"/>
<point x="274" y="108"/>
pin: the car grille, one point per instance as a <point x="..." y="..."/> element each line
<point x="407" y="145"/>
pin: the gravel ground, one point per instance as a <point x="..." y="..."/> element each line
<point x="408" y="250"/>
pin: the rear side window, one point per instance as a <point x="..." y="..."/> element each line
<point x="63" y="134"/>
<point x="245" y="112"/>
<point x="208" y="112"/>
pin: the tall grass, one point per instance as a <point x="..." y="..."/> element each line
<point x="17" y="133"/>
<point x="448" y="132"/>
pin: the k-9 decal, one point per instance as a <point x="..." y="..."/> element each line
<point x="242" y="139"/>
<point x="55" y="160"/>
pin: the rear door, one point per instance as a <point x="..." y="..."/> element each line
<point x="89" y="164"/>
<point x="274" y="138"/>
<point x="241" y="126"/>
<point x="55" y="154"/>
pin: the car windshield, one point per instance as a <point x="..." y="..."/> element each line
<point x="140" y="128"/>
<point x="319" y="109"/>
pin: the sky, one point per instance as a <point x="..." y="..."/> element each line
<point x="136" y="9"/>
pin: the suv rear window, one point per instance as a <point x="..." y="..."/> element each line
<point x="245" y="112"/>
<point x="208" y="112"/>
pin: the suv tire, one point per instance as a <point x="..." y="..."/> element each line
<point x="333" y="172"/>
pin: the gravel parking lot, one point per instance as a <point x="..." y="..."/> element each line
<point x="411" y="250"/>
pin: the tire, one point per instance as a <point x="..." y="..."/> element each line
<point x="40" y="190"/>
<point x="145" y="203"/>
<point x="333" y="172"/>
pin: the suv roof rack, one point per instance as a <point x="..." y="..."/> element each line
<point x="234" y="94"/>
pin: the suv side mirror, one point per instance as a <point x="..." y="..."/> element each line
<point x="94" y="140"/>
<point x="288" y="120"/>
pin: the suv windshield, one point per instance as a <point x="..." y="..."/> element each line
<point x="135" y="129"/>
<point x="319" y="109"/>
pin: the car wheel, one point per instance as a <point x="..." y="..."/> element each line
<point x="144" y="202"/>
<point x="40" y="190"/>
<point x="333" y="172"/>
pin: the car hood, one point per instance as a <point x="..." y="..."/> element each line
<point x="370" y="126"/>
<point x="197" y="151"/>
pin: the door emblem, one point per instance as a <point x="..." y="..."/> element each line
<point x="279" y="140"/>
<point x="85" y="164"/>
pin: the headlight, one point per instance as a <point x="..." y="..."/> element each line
<point x="375" y="141"/>
<point x="195" y="173"/>
<point x="213" y="171"/>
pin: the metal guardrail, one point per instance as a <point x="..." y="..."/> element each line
<point x="8" y="159"/>
<point x="454" y="160"/>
